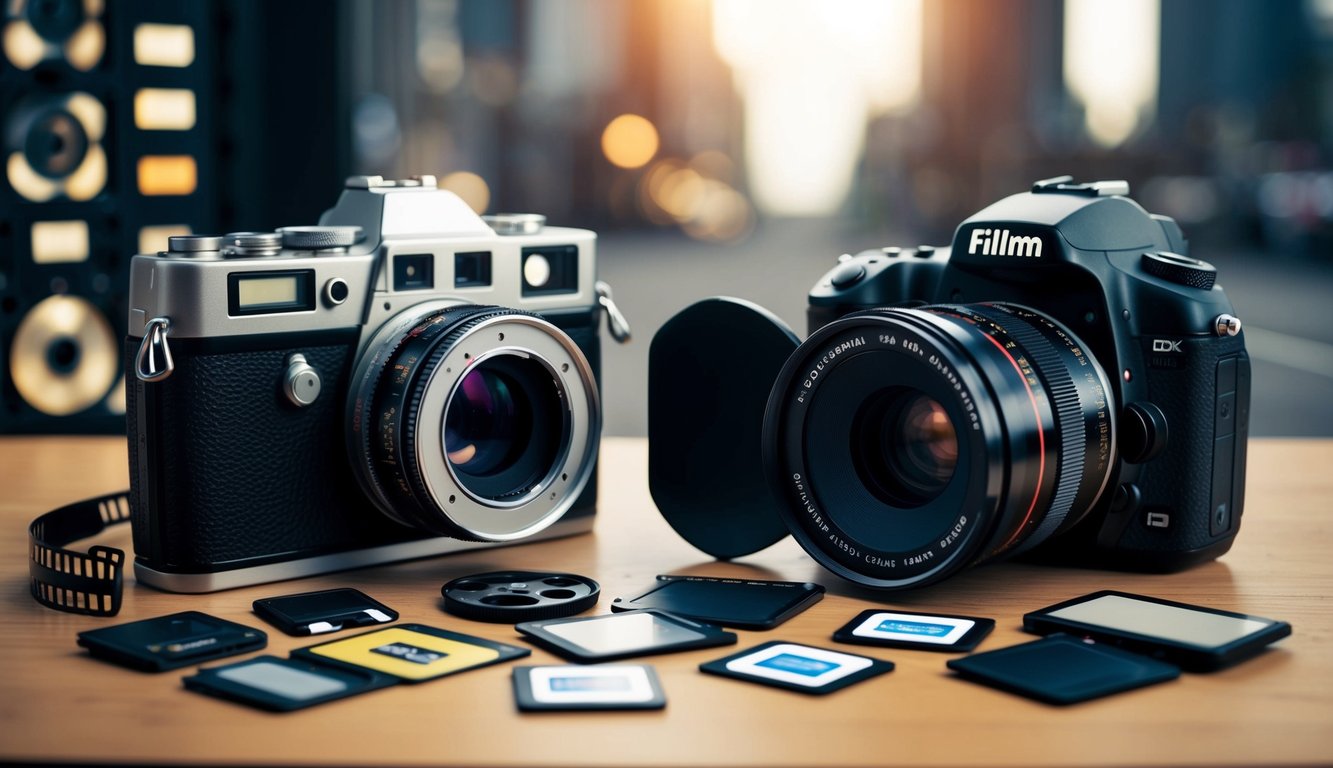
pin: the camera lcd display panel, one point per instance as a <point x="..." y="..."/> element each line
<point x="796" y="667"/>
<point x="623" y="635"/>
<point x="262" y="293"/>
<point x="1194" y="637"/>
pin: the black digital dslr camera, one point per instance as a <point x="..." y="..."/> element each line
<point x="1063" y="383"/>
<point x="399" y="380"/>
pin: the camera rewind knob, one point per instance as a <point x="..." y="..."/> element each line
<point x="301" y="383"/>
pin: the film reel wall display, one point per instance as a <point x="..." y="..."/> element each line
<point x="105" y="132"/>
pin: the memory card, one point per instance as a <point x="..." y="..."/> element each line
<point x="1060" y="669"/>
<point x="622" y="635"/>
<point x="171" y="642"/>
<point x="283" y="685"/>
<point x="741" y="603"/>
<point x="412" y="652"/>
<point x="918" y="631"/>
<point x="315" y="613"/>
<point x="601" y="687"/>
<point x="796" y="667"/>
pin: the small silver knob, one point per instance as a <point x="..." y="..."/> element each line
<point x="253" y="244"/>
<point x="1226" y="325"/>
<point x="301" y="384"/>
<point x="515" y="223"/>
<point x="194" y="243"/>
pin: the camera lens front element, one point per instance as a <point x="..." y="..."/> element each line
<point x="503" y="425"/>
<point x="906" y="444"/>
<point x="476" y="422"/>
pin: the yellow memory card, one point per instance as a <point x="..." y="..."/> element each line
<point x="407" y="653"/>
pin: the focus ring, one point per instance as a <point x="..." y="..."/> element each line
<point x="1064" y="399"/>
<point x="417" y="392"/>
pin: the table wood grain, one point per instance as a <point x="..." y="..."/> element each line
<point x="57" y="704"/>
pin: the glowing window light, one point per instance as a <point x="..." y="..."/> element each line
<point x="629" y="141"/>
<point x="1111" y="64"/>
<point x="164" y="45"/>
<point x="167" y="175"/>
<point x="469" y="186"/>
<point x="811" y="76"/>
<point x="154" y="238"/>
<point x="59" y="242"/>
<point x="164" y="109"/>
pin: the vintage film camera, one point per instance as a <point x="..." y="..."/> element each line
<point x="397" y="381"/>
<point x="1064" y="383"/>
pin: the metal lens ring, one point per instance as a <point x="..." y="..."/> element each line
<point x="477" y="422"/>
<point x="906" y="444"/>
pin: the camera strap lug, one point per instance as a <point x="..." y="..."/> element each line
<point x="615" y="319"/>
<point x="154" y="363"/>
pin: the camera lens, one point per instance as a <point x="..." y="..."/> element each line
<point x="907" y="444"/>
<point x="502" y="427"/>
<point x="904" y="446"/>
<point x="476" y="422"/>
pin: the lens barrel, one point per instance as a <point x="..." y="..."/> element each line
<point x="477" y="422"/>
<point x="906" y="444"/>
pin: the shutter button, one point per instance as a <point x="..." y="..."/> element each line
<point x="847" y="275"/>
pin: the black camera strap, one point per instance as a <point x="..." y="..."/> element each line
<point x="91" y="583"/>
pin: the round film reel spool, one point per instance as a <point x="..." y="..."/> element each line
<point x="63" y="359"/>
<point x="508" y="597"/>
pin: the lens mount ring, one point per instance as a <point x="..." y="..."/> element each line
<point x="402" y="388"/>
<point x="529" y="337"/>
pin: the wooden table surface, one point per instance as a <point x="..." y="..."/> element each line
<point x="56" y="703"/>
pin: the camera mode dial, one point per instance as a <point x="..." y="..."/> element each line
<point x="1180" y="269"/>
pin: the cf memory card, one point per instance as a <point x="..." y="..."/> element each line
<point x="171" y="642"/>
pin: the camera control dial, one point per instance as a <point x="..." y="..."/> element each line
<point x="1180" y="269"/>
<point x="321" y="238"/>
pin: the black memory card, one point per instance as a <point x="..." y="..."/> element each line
<point x="1060" y="669"/>
<point x="282" y="685"/>
<point x="171" y="642"/>
<point x="315" y="613"/>
<point x="740" y="603"/>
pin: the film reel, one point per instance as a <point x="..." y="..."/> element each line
<point x="69" y="31"/>
<point x="53" y="147"/>
<point x="63" y="358"/>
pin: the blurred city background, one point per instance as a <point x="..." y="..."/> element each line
<point x="737" y="147"/>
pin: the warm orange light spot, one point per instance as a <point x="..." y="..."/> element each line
<point x="629" y="141"/>
<point x="167" y="175"/>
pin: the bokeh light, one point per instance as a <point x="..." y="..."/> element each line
<point x="629" y="141"/>
<point x="469" y="186"/>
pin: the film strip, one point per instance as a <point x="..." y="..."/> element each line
<point x="86" y="583"/>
